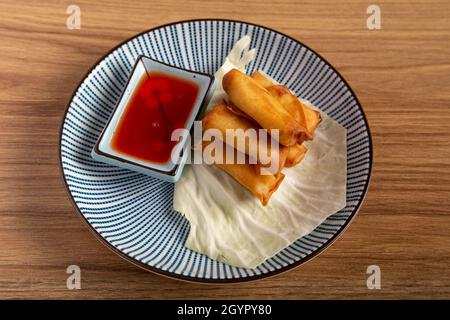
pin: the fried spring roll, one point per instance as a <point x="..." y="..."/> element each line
<point x="308" y="117"/>
<point x="251" y="98"/>
<point x="262" y="186"/>
<point x="249" y="176"/>
<point x="245" y="136"/>
<point x="295" y="155"/>
<point x="288" y="101"/>
<point x="262" y="79"/>
<point x="312" y="118"/>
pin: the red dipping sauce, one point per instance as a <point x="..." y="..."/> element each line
<point x="160" y="104"/>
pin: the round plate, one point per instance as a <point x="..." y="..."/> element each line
<point x="132" y="213"/>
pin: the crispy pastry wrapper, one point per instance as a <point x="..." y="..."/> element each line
<point x="254" y="100"/>
<point x="295" y="154"/>
<point x="248" y="175"/>
<point x="231" y="123"/>
<point x="300" y="111"/>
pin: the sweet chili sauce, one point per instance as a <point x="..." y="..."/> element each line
<point x="160" y="104"/>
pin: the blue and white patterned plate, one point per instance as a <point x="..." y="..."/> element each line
<point x="132" y="213"/>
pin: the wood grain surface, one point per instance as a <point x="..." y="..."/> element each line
<point x="401" y="75"/>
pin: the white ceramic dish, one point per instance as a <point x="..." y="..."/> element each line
<point x="169" y="171"/>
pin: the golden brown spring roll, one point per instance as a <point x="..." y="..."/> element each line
<point x="308" y="117"/>
<point x="251" y="98"/>
<point x="262" y="186"/>
<point x="262" y="79"/>
<point x="295" y="155"/>
<point x="288" y="101"/>
<point x="313" y="118"/>
<point x="221" y="117"/>
<point x="249" y="176"/>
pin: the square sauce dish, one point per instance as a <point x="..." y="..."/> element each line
<point x="158" y="99"/>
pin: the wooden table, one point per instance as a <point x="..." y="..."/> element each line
<point x="400" y="73"/>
